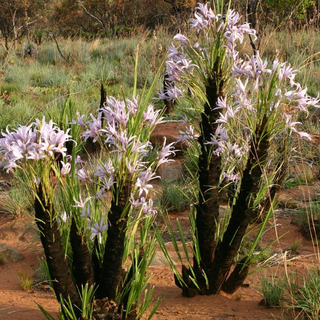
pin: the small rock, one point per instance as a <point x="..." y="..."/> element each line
<point x="10" y="254"/>
<point x="171" y="171"/>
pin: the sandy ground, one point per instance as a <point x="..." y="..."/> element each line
<point x="16" y="304"/>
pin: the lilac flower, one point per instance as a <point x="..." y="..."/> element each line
<point x="115" y="110"/>
<point x="286" y="72"/>
<point x="232" y="177"/>
<point x="106" y="169"/>
<point x="180" y="37"/>
<point x="132" y="105"/>
<point x="166" y="152"/>
<point x="199" y="23"/>
<point x="177" y="64"/>
<point x="188" y="135"/>
<point x="94" y="130"/>
<point x="221" y="103"/>
<point x="34" y="142"/>
<point x="80" y="203"/>
<point x="235" y="32"/>
<point x="152" y="116"/>
<point x="134" y="202"/>
<point x="142" y="181"/>
<point x="300" y="97"/>
<point x="306" y="135"/>
<point x="79" y="120"/>
<point x="108" y="182"/>
<point x="78" y="160"/>
<point x="97" y="230"/>
<point x="138" y="147"/>
<point x="134" y="165"/>
<point x="291" y="126"/>
<point x="101" y="194"/>
<point x="64" y="217"/>
<point x="85" y="212"/>
<point x="223" y="118"/>
<point x="173" y="53"/>
<point x="147" y="207"/>
<point x="143" y="186"/>
<point x="207" y="12"/>
<point x="66" y="167"/>
<point x="82" y="175"/>
<point x="172" y="93"/>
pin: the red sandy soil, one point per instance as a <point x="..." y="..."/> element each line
<point x="16" y="304"/>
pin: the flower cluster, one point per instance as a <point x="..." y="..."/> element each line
<point x="185" y="57"/>
<point x="34" y="142"/>
<point x="259" y="92"/>
<point x="278" y="80"/>
<point x="123" y="129"/>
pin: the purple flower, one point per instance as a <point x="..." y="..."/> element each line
<point x="152" y="116"/>
<point x="173" y="93"/>
<point x="79" y="120"/>
<point x="199" y="22"/>
<point x="97" y="230"/>
<point x="147" y="207"/>
<point x="188" y="135"/>
<point x="106" y="169"/>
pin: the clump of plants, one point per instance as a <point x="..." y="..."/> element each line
<point x="306" y="297"/>
<point x="94" y="223"/>
<point x="25" y="281"/>
<point x="272" y="288"/>
<point x="244" y="141"/>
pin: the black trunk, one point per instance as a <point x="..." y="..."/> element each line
<point x="242" y="212"/>
<point x="112" y="272"/>
<point x="55" y="254"/>
<point x="82" y="265"/>
<point x="209" y="175"/>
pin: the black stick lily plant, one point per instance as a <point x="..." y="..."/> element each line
<point x="94" y="223"/>
<point x="243" y="142"/>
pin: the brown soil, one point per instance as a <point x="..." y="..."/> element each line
<point x="16" y="303"/>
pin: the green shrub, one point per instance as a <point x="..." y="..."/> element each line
<point x="272" y="288"/>
<point x="307" y="296"/>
